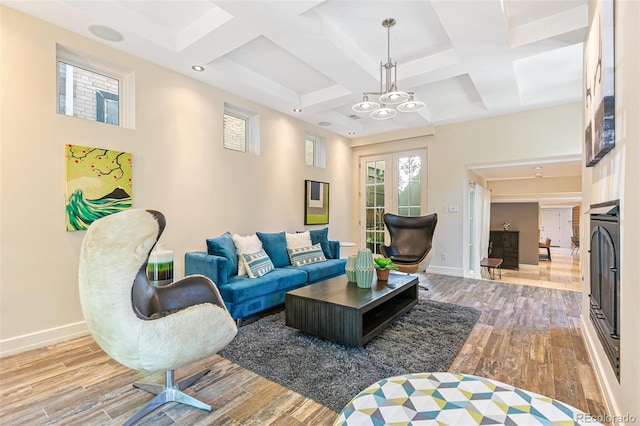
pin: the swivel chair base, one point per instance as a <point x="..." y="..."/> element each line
<point x="169" y="392"/>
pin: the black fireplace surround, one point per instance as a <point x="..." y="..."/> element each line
<point x="604" y="261"/>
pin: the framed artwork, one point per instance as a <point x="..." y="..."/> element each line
<point x="98" y="184"/>
<point x="316" y="203"/>
<point x="599" y="90"/>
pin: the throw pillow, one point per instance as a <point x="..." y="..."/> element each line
<point x="223" y="246"/>
<point x="298" y="240"/>
<point x="306" y="255"/>
<point x="257" y="264"/>
<point x="321" y="236"/>
<point x="275" y="245"/>
<point x="248" y="244"/>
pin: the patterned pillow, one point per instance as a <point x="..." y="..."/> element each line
<point x="306" y="255"/>
<point x="257" y="264"/>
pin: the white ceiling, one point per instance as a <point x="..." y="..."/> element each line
<point x="465" y="58"/>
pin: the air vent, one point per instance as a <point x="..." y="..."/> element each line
<point x="354" y="116"/>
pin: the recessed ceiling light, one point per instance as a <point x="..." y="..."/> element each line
<point x="352" y="133"/>
<point x="538" y="168"/>
<point x="324" y="123"/>
<point x="106" y="33"/>
<point x="297" y="110"/>
<point x="538" y="175"/>
<point x="197" y="68"/>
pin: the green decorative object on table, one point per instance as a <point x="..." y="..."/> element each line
<point x="383" y="265"/>
<point x="364" y="268"/>
<point x="160" y="266"/>
<point x="350" y="268"/>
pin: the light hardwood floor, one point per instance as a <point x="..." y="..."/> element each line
<point x="527" y="336"/>
<point x="562" y="272"/>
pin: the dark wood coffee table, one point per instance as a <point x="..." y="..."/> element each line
<point x="340" y="311"/>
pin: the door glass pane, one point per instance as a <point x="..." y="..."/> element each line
<point x="375" y="207"/>
<point x="409" y="185"/>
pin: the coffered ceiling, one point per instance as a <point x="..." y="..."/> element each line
<point x="464" y="59"/>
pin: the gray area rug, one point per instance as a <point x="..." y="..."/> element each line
<point x="425" y="339"/>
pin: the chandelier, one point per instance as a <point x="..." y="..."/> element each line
<point x="403" y="101"/>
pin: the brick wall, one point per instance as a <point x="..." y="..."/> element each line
<point x="85" y="84"/>
<point x="234" y="133"/>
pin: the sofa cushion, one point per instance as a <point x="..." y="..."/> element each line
<point x="241" y="288"/>
<point x="321" y="236"/>
<point x="223" y="246"/>
<point x="306" y="255"/>
<point x="248" y="244"/>
<point x="299" y="239"/>
<point x="276" y="247"/>
<point x="257" y="264"/>
<point x="322" y="270"/>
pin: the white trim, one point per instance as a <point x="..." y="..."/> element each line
<point x="528" y="266"/>
<point x="599" y="364"/>
<point x="43" y="338"/>
<point x="446" y="270"/>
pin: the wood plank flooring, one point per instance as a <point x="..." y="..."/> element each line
<point x="527" y="336"/>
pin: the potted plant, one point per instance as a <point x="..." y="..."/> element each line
<point x="383" y="265"/>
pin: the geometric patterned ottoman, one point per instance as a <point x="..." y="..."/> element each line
<point x="456" y="400"/>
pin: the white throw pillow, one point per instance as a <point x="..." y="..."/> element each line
<point x="298" y="240"/>
<point x="245" y="245"/>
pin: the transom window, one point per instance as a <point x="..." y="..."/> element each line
<point x="92" y="89"/>
<point x="87" y="94"/>
<point x="314" y="150"/>
<point x="241" y="129"/>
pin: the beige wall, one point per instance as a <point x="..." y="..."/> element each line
<point x="523" y="217"/>
<point x="534" y="134"/>
<point x="179" y="168"/>
<point x="617" y="176"/>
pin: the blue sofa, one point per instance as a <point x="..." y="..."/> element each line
<point x="246" y="296"/>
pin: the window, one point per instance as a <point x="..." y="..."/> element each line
<point x="87" y="94"/>
<point x="314" y="150"/>
<point x="241" y="130"/>
<point x="93" y="89"/>
<point x="235" y="133"/>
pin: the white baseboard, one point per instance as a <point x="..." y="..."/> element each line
<point x="527" y="266"/>
<point x="445" y="270"/>
<point x="43" y="338"/>
<point x="599" y="364"/>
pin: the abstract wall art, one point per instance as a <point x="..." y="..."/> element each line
<point x="98" y="184"/>
<point x="316" y="203"/>
<point x="599" y="90"/>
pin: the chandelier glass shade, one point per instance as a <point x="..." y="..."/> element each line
<point x="366" y="105"/>
<point x="404" y="101"/>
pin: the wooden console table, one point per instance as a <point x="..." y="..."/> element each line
<point x="341" y="311"/>
<point x="505" y="246"/>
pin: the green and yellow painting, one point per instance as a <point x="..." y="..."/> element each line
<point x="98" y="184"/>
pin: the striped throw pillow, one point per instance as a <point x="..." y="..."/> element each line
<point x="257" y="264"/>
<point x="306" y="255"/>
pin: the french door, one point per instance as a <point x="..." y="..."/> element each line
<point x="393" y="183"/>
